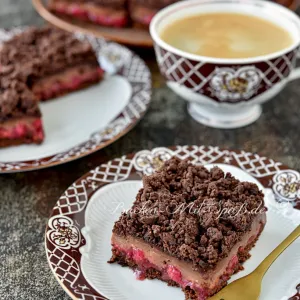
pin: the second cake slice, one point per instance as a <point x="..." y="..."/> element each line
<point x="51" y="62"/>
<point x="40" y="64"/>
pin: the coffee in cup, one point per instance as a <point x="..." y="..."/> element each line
<point x="226" y="35"/>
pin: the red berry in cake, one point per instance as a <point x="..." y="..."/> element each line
<point x="174" y="274"/>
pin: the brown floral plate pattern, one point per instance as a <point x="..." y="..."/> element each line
<point x="123" y="107"/>
<point x="67" y="231"/>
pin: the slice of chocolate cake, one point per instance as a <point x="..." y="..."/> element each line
<point x="40" y="64"/>
<point x="20" y="117"/>
<point x="102" y="12"/>
<point x="142" y="11"/>
<point x="190" y="227"/>
<point x="51" y="62"/>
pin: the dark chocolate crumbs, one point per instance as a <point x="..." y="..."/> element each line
<point x="178" y="211"/>
<point x="29" y="56"/>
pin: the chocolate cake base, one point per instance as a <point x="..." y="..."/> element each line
<point x="17" y="131"/>
<point x="82" y="86"/>
<point x="190" y="294"/>
<point x="17" y="142"/>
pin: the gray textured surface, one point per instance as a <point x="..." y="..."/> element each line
<point x="26" y="199"/>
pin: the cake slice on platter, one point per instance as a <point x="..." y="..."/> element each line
<point x="37" y="65"/>
<point x="20" y="117"/>
<point x="103" y="12"/>
<point x="142" y="11"/>
<point x="51" y="62"/>
<point x="189" y="227"/>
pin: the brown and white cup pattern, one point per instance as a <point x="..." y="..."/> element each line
<point x="226" y="93"/>
<point x="226" y="83"/>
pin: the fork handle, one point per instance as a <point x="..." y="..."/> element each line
<point x="268" y="261"/>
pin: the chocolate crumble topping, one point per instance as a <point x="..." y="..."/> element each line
<point x="39" y="52"/>
<point x="192" y="213"/>
<point x="16" y="100"/>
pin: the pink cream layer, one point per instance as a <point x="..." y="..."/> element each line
<point x="69" y="80"/>
<point x="88" y="11"/>
<point x="204" y="284"/>
<point x="24" y="128"/>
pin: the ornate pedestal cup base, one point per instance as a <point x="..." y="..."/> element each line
<point x="224" y="118"/>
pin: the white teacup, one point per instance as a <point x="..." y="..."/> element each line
<point x="200" y="79"/>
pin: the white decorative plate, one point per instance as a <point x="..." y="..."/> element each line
<point x="88" y="120"/>
<point x="79" y="230"/>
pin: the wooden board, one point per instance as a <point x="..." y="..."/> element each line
<point x="129" y="36"/>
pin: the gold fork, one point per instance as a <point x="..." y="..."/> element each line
<point x="248" y="287"/>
